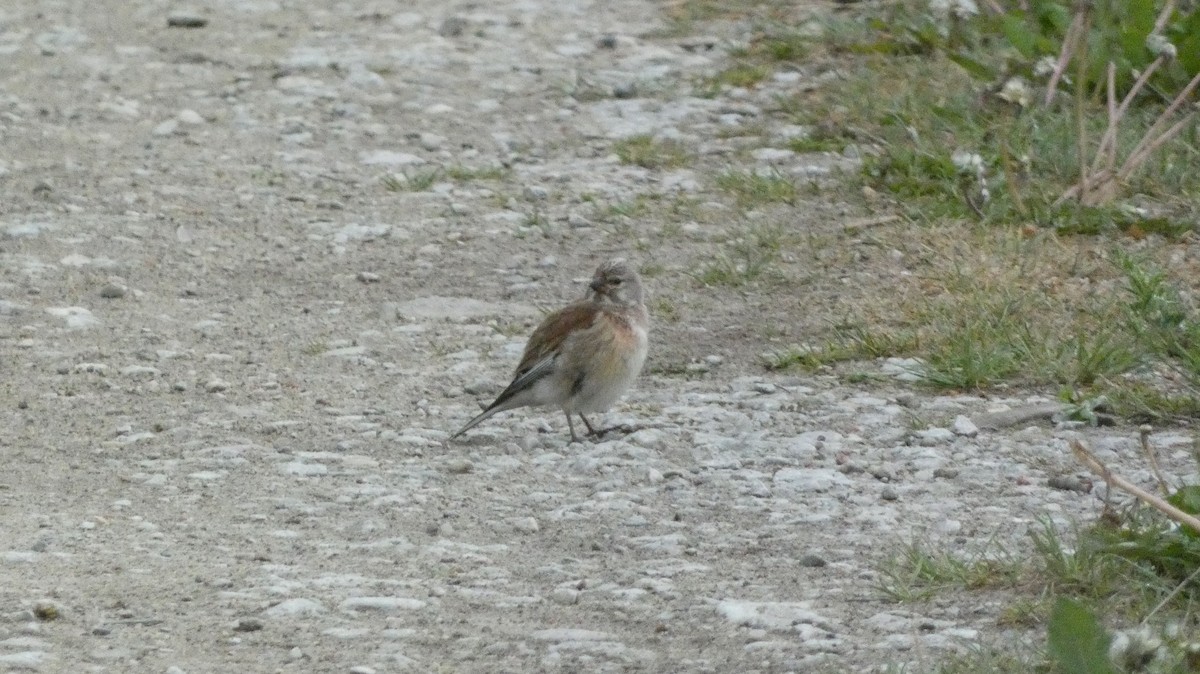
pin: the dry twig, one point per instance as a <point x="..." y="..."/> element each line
<point x="1088" y="459"/>
<point x="1152" y="457"/>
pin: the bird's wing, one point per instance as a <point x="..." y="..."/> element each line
<point x="544" y="345"/>
<point x="548" y="338"/>
<point x="541" y="352"/>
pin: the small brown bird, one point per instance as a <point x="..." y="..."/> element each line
<point x="584" y="356"/>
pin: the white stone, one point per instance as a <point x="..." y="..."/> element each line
<point x="964" y="426"/>
<point x="389" y="158"/>
<point x="806" y="480"/>
<point x="304" y="469"/>
<point x="190" y="117"/>
<point x="76" y="318"/>
<point x="30" y="660"/>
<point x="382" y="604"/>
<point x="295" y="607"/>
<point x="771" y="615"/>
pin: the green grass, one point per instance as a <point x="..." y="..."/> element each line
<point x="989" y="660"/>
<point x="817" y="142"/>
<point x="420" y="180"/>
<point x="743" y="75"/>
<point x="985" y="341"/>
<point x="910" y="97"/>
<point x="989" y="278"/>
<point x="788" y="46"/>
<point x="849" y="343"/>
<point x="652" y="153"/>
<point x="747" y="258"/>
<point x="663" y="309"/>
<point x="752" y="188"/>
<point x="417" y="180"/>
<point x="462" y="174"/>
<point x="919" y="571"/>
<point x="1133" y="568"/>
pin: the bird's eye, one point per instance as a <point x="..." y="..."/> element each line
<point x="615" y="281"/>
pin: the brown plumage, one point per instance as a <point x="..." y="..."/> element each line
<point x="582" y="357"/>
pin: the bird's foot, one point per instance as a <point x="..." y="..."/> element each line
<point x="623" y="429"/>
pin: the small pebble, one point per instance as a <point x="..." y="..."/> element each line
<point x="183" y="20"/>
<point x="1070" y="483"/>
<point x="526" y="525"/>
<point x="459" y="466"/>
<point x="453" y="26"/>
<point x="535" y="193"/>
<point x="190" y="117"/>
<point x="889" y="494"/>
<point x="46" y="611"/>
<point x="625" y="90"/>
<point x="965" y="427"/>
<point x="565" y="596"/>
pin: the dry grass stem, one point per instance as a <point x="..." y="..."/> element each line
<point x="1074" y="32"/>
<point x="1099" y="187"/>
<point x="1163" y="17"/>
<point x="1152" y="457"/>
<point x="1088" y="459"/>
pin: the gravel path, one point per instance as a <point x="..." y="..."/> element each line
<point x="232" y="351"/>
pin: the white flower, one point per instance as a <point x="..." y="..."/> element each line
<point x="1045" y="66"/>
<point x="967" y="162"/>
<point x="1132" y="650"/>
<point x="1160" y="46"/>
<point x="959" y="9"/>
<point x="965" y="8"/>
<point x="1015" y="91"/>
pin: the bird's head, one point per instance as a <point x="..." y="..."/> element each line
<point x="616" y="283"/>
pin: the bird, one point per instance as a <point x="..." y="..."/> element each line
<point x="584" y="356"/>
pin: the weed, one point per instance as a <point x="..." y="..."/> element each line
<point x="752" y="188"/>
<point x="850" y="342"/>
<point x="412" y="181"/>
<point x="918" y="571"/>
<point x="663" y="309"/>
<point x="745" y="259"/>
<point x="464" y="174"/>
<point x="629" y="209"/>
<point x="315" y="348"/>
<point x="652" y="270"/>
<point x="652" y="153"/>
<point x="743" y="75"/>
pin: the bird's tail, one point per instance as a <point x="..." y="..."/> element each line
<point x="500" y="405"/>
<point x="476" y="421"/>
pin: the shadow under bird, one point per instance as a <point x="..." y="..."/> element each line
<point x="583" y="357"/>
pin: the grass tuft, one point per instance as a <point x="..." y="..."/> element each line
<point x="652" y="153"/>
<point x="752" y="188"/>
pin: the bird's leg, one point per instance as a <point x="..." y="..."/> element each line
<point x="599" y="433"/>
<point x="571" y="425"/>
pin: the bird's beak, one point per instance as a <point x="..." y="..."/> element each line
<point x="596" y="285"/>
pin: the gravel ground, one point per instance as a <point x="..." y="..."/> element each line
<point x="232" y="353"/>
